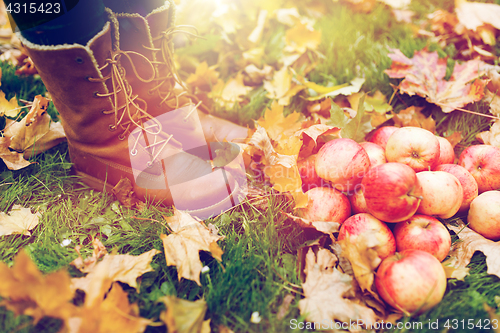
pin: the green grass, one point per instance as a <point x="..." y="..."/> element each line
<point x="259" y="266"/>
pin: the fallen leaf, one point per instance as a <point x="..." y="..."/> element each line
<point x="326" y="290"/>
<point x="452" y="268"/>
<point x="474" y="14"/>
<point x="25" y="290"/>
<point x="454" y="138"/>
<point x="87" y="265"/>
<point x="254" y="76"/>
<point x="183" y="316"/>
<point x="282" y="87"/>
<point x="36" y="132"/>
<point x="470" y="242"/>
<point x="8" y="108"/>
<point x="354" y="87"/>
<point x="325" y="227"/>
<point x="229" y="93"/>
<point x="302" y="37"/>
<point x="204" y="77"/>
<point x="125" y="268"/>
<point x="277" y="125"/>
<point x="363" y="257"/>
<point x="19" y="220"/>
<point x="495" y="318"/>
<point x="123" y="191"/>
<point x="183" y="245"/>
<point x="357" y="128"/>
<point x="424" y="75"/>
<point x="412" y="116"/>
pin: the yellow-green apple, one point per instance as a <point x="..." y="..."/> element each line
<point x="326" y="204"/>
<point x="308" y="175"/>
<point x="442" y="194"/>
<point x="422" y="232"/>
<point x="358" y="202"/>
<point x="413" y="146"/>
<point x="376" y="153"/>
<point x="392" y="192"/>
<point x="469" y="184"/>
<point x="343" y="162"/>
<point x="483" y="163"/>
<point x="446" y="152"/>
<point x="371" y="227"/>
<point x="484" y="215"/>
<point x="381" y="135"/>
<point x="411" y="281"/>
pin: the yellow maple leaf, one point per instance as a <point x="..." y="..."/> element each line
<point x="87" y="265"/>
<point x="281" y="87"/>
<point x="231" y="92"/>
<point x="25" y="290"/>
<point x="18" y="221"/>
<point x="277" y="125"/>
<point x="302" y="37"/>
<point x="8" y="108"/>
<point x="183" y="245"/>
<point x="204" y="77"/>
<point x="185" y="316"/>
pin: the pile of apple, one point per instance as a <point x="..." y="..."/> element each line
<point x="396" y="185"/>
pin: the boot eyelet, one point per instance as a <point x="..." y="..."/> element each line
<point x="79" y="60"/>
<point x="121" y="137"/>
<point x="96" y="94"/>
<point x="88" y="77"/>
<point x="103" y="111"/>
<point x="150" y="92"/>
<point x="133" y="152"/>
<point x="149" y="164"/>
<point x="112" y="128"/>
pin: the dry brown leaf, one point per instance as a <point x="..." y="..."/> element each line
<point x="125" y="268"/>
<point x="183" y="245"/>
<point x="470" y="242"/>
<point x="25" y="290"/>
<point x="424" y="75"/>
<point x="325" y="227"/>
<point x="183" y="316"/>
<point x="19" y="220"/>
<point x="285" y="306"/>
<point x="87" y="265"/>
<point x="363" y="258"/>
<point x="12" y="159"/>
<point x="123" y="191"/>
<point x="452" y="269"/>
<point x="326" y="289"/>
<point x="36" y="132"/>
<point x="412" y="116"/>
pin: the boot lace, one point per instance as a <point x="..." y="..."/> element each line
<point x="134" y="109"/>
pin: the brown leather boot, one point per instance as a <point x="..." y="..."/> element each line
<point x="151" y="35"/>
<point x="111" y="133"/>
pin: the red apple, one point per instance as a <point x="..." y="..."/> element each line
<point x="412" y="281"/>
<point x="343" y="162"/>
<point x="484" y="215"/>
<point x="358" y="202"/>
<point x="413" y="146"/>
<point x="376" y="153"/>
<point x="469" y="184"/>
<point x="326" y="204"/>
<point x="422" y="232"/>
<point x="308" y="175"/>
<point x="483" y="163"/>
<point x="381" y="135"/>
<point x="392" y="192"/>
<point x="446" y="152"/>
<point x="371" y="227"/>
<point x="442" y="194"/>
